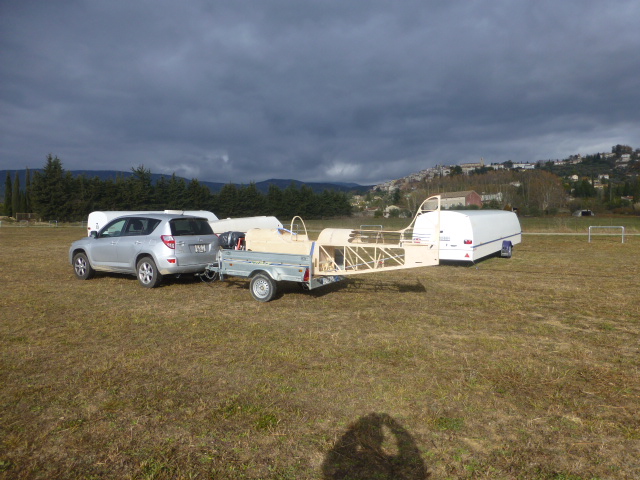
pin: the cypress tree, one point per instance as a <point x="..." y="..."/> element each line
<point x="160" y="195"/>
<point x="7" y="196"/>
<point x="23" y="202"/>
<point x="227" y="201"/>
<point x="291" y="202"/>
<point x="27" y="192"/>
<point x="15" y="195"/>
<point x="249" y="201"/>
<point x="197" y="195"/>
<point x="140" y="188"/>
<point x="176" y="193"/>
<point x="275" y="201"/>
<point x="51" y="190"/>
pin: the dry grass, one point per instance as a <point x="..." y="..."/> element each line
<point x="524" y="368"/>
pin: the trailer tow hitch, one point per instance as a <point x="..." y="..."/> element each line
<point x="210" y="274"/>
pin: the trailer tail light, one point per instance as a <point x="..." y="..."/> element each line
<point x="468" y="242"/>
<point x="306" y="275"/>
<point x="169" y="241"/>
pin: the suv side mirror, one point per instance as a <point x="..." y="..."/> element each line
<point x="93" y="234"/>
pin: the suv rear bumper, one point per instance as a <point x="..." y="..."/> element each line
<point x="175" y="269"/>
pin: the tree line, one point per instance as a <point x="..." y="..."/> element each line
<point x="16" y="199"/>
<point x="55" y="194"/>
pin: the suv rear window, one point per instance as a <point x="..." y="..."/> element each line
<point x="190" y="226"/>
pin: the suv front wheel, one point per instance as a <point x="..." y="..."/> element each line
<point x="148" y="274"/>
<point x="82" y="267"/>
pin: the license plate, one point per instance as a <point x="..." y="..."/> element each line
<point x="200" y="248"/>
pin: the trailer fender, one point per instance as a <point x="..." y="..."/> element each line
<point x="262" y="272"/>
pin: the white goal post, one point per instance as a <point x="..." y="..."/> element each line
<point x="606" y="227"/>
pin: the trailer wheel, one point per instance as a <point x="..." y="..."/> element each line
<point x="263" y="287"/>
<point x="82" y="267"/>
<point x="148" y="274"/>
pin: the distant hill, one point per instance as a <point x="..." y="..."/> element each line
<point x="317" y="187"/>
<point x="215" y="187"/>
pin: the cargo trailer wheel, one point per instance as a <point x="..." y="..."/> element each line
<point x="82" y="267"/>
<point x="262" y="287"/>
<point x="148" y="274"/>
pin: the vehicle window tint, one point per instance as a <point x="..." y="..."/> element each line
<point x="113" y="229"/>
<point x="150" y="225"/>
<point x="134" y="227"/>
<point x="190" y="226"/>
<point x="141" y="226"/>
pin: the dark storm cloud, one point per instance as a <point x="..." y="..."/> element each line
<point x="319" y="90"/>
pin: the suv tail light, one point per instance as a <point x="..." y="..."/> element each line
<point x="169" y="241"/>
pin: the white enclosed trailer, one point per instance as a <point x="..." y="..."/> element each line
<point x="469" y="235"/>
<point x="244" y="224"/>
<point x="99" y="219"/>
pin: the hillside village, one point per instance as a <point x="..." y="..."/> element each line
<point x="605" y="179"/>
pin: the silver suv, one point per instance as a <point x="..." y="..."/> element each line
<point x="148" y="246"/>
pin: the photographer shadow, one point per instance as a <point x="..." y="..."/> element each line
<point x="375" y="446"/>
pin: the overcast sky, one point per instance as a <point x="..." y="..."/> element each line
<point x="350" y="91"/>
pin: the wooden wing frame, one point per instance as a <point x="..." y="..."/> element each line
<point x="339" y="251"/>
<point x="350" y="252"/>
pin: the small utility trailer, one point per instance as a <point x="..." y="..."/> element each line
<point x="265" y="269"/>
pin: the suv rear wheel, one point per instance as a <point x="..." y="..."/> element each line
<point x="148" y="274"/>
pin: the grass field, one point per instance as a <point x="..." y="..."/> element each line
<point x="527" y="368"/>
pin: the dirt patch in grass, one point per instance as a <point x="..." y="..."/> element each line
<point x="520" y="368"/>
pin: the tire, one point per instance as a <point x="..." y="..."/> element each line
<point x="263" y="287"/>
<point x="507" y="250"/>
<point x="82" y="267"/>
<point x="148" y="274"/>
